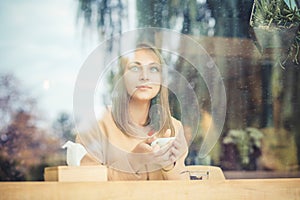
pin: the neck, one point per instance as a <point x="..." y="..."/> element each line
<point x="138" y="111"/>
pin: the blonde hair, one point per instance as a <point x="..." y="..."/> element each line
<point x="160" y="121"/>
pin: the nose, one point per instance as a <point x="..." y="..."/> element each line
<point x="144" y="74"/>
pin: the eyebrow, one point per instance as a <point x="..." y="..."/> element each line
<point x="137" y="62"/>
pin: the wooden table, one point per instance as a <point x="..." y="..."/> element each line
<point x="229" y="189"/>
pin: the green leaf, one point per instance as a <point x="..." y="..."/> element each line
<point x="291" y="4"/>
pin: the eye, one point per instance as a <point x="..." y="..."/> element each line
<point x="154" y="68"/>
<point x="134" y="68"/>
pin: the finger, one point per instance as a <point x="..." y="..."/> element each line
<point x="176" y="144"/>
<point x="156" y="148"/>
<point x="146" y="148"/>
<point x="168" y="162"/>
<point x="173" y="158"/>
<point x="168" y="133"/>
<point x="150" y="140"/>
<point x="163" y="160"/>
<point x="166" y="157"/>
<point x="175" y="152"/>
<point x="163" y="150"/>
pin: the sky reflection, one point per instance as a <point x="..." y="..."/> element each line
<point x="42" y="45"/>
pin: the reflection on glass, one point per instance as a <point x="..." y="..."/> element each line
<point x="197" y="174"/>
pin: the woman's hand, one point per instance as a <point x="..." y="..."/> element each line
<point x="145" y="157"/>
<point x="144" y="146"/>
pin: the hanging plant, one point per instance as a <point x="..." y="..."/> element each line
<point x="275" y="25"/>
<point x="246" y="141"/>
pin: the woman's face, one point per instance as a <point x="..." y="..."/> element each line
<point x="142" y="75"/>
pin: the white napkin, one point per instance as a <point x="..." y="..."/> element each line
<point x="75" y="153"/>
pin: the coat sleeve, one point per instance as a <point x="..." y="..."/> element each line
<point x="178" y="172"/>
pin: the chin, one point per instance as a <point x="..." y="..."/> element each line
<point x="143" y="97"/>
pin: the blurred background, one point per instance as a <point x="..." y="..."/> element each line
<point x="43" y="44"/>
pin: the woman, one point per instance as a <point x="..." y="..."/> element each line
<point x="139" y="115"/>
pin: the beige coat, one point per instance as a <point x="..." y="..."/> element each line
<point x="110" y="149"/>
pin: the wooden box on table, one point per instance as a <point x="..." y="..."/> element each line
<point x="76" y="173"/>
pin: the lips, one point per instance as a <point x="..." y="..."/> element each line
<point x="143" y="87"/>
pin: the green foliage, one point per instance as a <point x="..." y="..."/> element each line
<point x="277" y="14"/>
<point x="9" y="170"/>
<point x="245" y="140"/>
<point x="189" y="17"/>
<point x="25" y="148"/>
